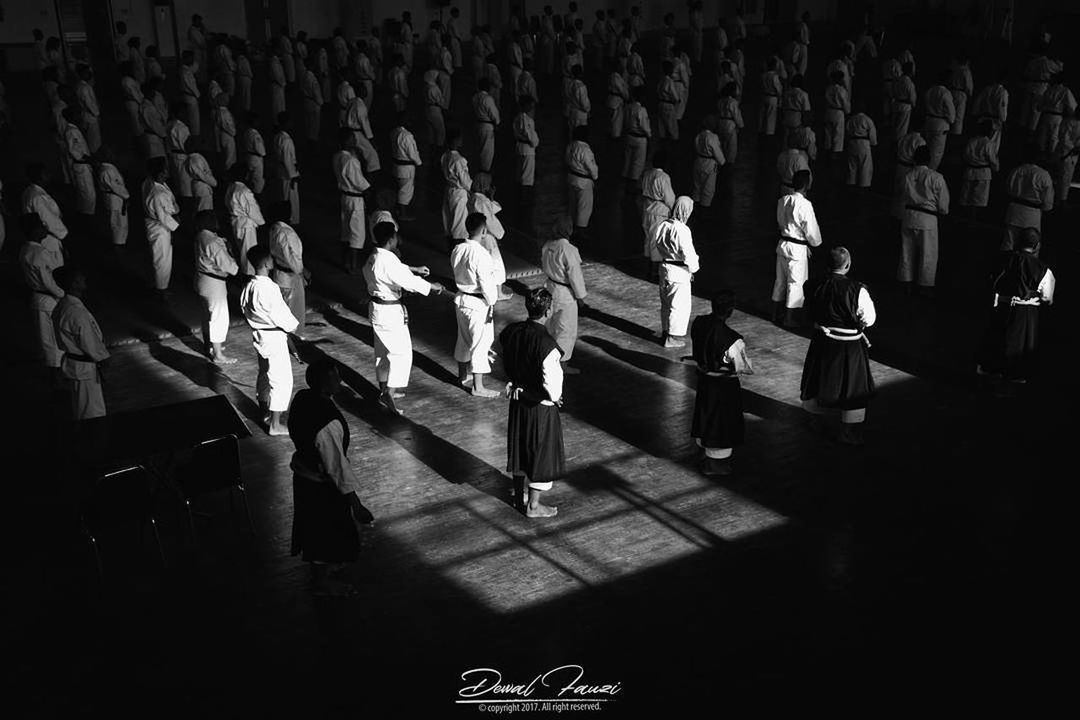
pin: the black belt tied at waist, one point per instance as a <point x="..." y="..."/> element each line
<point x="959" y="90"/>
<point x="404" y="162"/>
<point x="638" y="135"/>
<point x="977" y="167"/>
<point x="348" y="193"/>
<point x="473" y="294"/>
<point x="1051" y="112"/>
<point x="485" y="122"/>
<point x="282" y="268"/>
<point x="927" y="211"/>
<point x="380" y="301"/>
<point x="80" y="161"/>
<point x="681" y="263"/>
<point x="903" y="102"/>
<point x="223" y="278"/>
<point x="1026" y="203"/>
<point x="858" y="137"/>
<point x="579" y="174"/>
<point x="80" y="357"/>
<point x="706" y="157"/>
<point x="786" y="238"/>
<point x="565" y="285"/>
<point x="937" y="117"/>
<point x="905" y="164"/>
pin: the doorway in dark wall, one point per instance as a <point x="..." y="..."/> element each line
<point x="265" y="18"/>
<point x="86" y="30"/>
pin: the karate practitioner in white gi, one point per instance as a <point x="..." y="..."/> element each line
<point x="388" y="279"/>
<point x="674" y="245"/>
<point x="351" y="185"/>
<point x="189" y="87"/>
<point x="980" y="164"/>
<point x="708" y="159"/>
<point x="455" y="171"/>
<point x="245" y="216"/>
<point x="658" y="199"/>
<point x="202" y="179"/>
<point x="90" y="120"/>
<point x="406" y="158"/>
<point x="159" y="211"/>
<point x="799" y="231"/>
<point x="79" y="337"/>
<point x="525" y="143"/>
<point x="486" y="115"/>
<point x="289" y="272"/>
<point x="38" y="259"/>
<point x="35" y="199"/>
<point x="860" y="137"/>
<point x="940" y="115"/>
<point x="637" y="131"/>
<point x="582" y="173"/>
<point x="477" y="294"/>
<point x="561" y="263"/>
<point x="277" y="84"/>
<point x="925" y="198"/>
<point x="253" y="150"/>
<point x="1031" y="193"/>
<point x="225" y="132"/>
<point x="271" y="321"/>
<point x="214" y="265"/>
<point x="286" y="171"/>
<point x="78" y="155"/>
<point x="313" y="102"/>
<point x="115" y="196"/>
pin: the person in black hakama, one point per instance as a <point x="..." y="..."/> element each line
<point x="1022" y="284"/>
<point x="720" y="354"/>
<point x="534" y="440"/>
<point x="836" y="375"/>
<point x="327" y="510"/>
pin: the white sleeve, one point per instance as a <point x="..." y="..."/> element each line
<point x="867" y="312"/>
<point x="1046" y="287"/>
<point x="280" y="314"/>
<point x="810" y="226"/>
<point x="553" y="375"/>
<point x="330" y="443"/>
<point x="404" y="278"/>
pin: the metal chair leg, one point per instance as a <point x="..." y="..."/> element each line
<point x="191" y="520"/>
<point x="157" y="539"/>
<point x="97" y="559"/>
<point x="247" y="509"/>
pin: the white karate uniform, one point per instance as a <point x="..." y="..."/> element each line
<point x="399" y="86"/>
<point x="82" y="174"/>
<point x="133" y="98"/>
<point x="286" y="174"/>
<point x="905" y="153"/>
<point x="789" y="162"/>
<point x="474" y="275"/>
<point x="486" y="114"/>
<point x="481" y="203"/>
<point x="961" y="87"/>
<point x="1031" y="193"/>
<point x="458" y="183"/>
<point x="270" y="319"/>
<point x="288" y="272"/>
<point x="675" y="244"/>
<point x="940" y="115"/>
<point x="729" y="121"/>
<point x="1037" y="74"/>
<point x="36" y="264"/>
<point x="659" y="199"/>
<point x="155" y="132"/>
<point x="351" y="183"/>
<point x="637" y="131"/>
<point x="709" y="157"/>
<point x="213" y="264"/>
<point x="980" y="162"/>
<point x="795" y="219"/>
<point x="313" y="102"/>
<point x="79" y="336"/>
<point x="159" y="207"/>
<point x="244" y="78"/>
<point x="288" y="62"/>
<point x="1058" y="102"/>
<point x="433" y="113"/>
<point x="225" y="136"/>
<point x="254" y="150"/>
<point x="177" y="135"/>
<point x="406" y="159"/>
<point x="277" y="86"/>
<point x="36" y="200"/>
<point x="561" y="262"/>
<point x="91" y="114"/>
<point x="525" y="142"/>
<point x="581" y="176"/>
<point x="190" y="89"/>
<point x="837" y="108"/>
<point x="903" y="102"/>
<point x="578" y="105"/>
<point x="115" y="196"/>
<point x="861" y="135"/>
<point x="922" y="188"/>
<point x="667" y="95"/>
<point x="245" y="217"/>
<point x="794" y="102"/>
<point x="202" y="181"/>
<point x="771" y="90"/>
<point x="387" y="280"/>
<point x="618" y="94"/>
<point x="1068" y="149"/>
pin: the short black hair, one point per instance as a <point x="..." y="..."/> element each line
<point x="155" y="166"/>
<point x="280" y="211"/>
<point x="383" y="233"/>
<point x="581" y="133"/>
<point x="258" y="255"/>
<point x="537" y="303"/>
<point x="66" y="274"/>
<point x="474" y="222"/>
<point x="801" y="179"/>
<point x="921" y="156"/>
<point x="206" y="220"/>
<point x="723" y="303"/>
<point x="839" y="257"/>
<point x="1029" y="239"/>
<point x="35" y="172"/>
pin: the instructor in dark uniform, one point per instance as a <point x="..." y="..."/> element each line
<point x="534" y="440"/>
<point x="836" y="375"/>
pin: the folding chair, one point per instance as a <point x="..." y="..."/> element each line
<point x="121" y="498"/>
<point x="214" y="465"/>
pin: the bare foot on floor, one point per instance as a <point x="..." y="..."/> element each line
<point x="223" y="360"/>
<point x="277" y="430"/>
<point x="485" y="393"/>
<point x="541" y="511"/>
